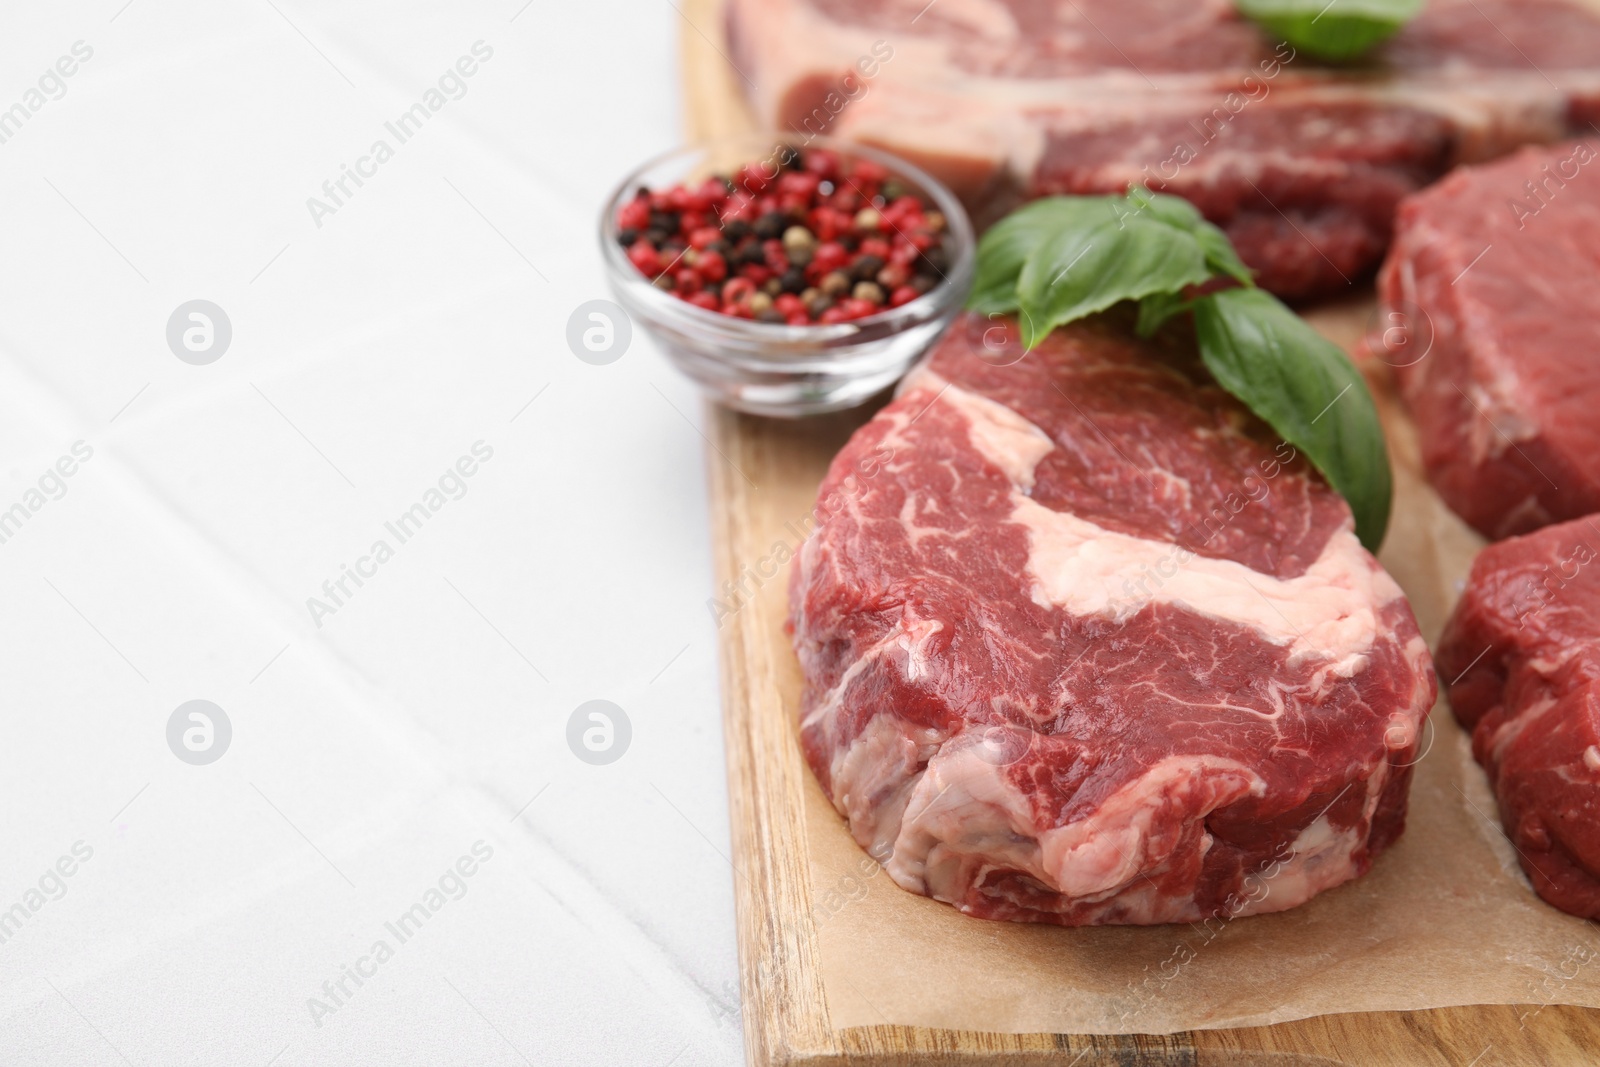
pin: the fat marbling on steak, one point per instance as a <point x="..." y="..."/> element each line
<point x="1523" y="648"/>
<point x="1081" y="644"/>
<point x="1302" y="164"/>
<point x="1493" y="291"/>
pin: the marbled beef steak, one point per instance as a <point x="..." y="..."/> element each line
<point x="1301" y="163"/>
<point x="1494" y="288"/>
<point x="1083" y="643"/>
<point x="1523" y="650"/>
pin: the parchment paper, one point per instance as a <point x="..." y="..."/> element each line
<point x="1444" y="918"/>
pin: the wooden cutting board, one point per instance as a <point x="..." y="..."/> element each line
<point x="763" y="477"/>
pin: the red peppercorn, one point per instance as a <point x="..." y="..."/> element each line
<point x="707" y="195"/>
<point x="867" y="171"/>
<point x="829" y="224"/>
<point x="705" y="300"/>
<point x="875" y="246"/>
<point x="833" y="315"/>
<point x="822" y="163"/>
<point x="635" y="214"/>
<point x="758" y="274"/>
<point x="777" y="258"/>
<point x="857" y="309"/>
<point x="711" y="266"/>
<point x="686" y="280"/>
<point x="788" y="303"/>
<point x="755" y="177"/>
<point x="643" y="256"/>
<point x="739" y="206"/>
<point x="891" y="277"/>
<point x="799" y="183"/>
<point x="797" y="318"/>
<point x="902" y="209"/>
<point x="825" y="223"/>
<point x="830" y="255"/>
<point x="704" y="236"/>
<point x="737" y="289"/>
<point x="904" y="253"/>
<point x="903" y="295"/>
<point x="794" y="204"/>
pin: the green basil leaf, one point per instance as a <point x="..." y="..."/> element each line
<point x="1306" y="389"/>
<point x="1220" y="255"/>
<point x="1342" y="29"/>
<point x="1175" y="211"/>
<point x="1008" y="244"/>
<point x="1172" y="210"/>
<point x="1078" y="270"/>
<point x="1156" y="309"/>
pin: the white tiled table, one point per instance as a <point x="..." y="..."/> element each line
<point x="372" y="752"/>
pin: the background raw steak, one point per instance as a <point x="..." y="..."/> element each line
<point x="1494" y="288"/>
<point x="1081" y="646"/>
<point x="1523" y="648"/>
<point x="1301" y="164"/>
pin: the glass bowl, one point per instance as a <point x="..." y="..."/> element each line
<point x="776" y="369"/>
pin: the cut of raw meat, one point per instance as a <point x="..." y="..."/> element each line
<point x="1080" y="645"/>
<point x="1523" y="648"/>
<point x="1492" y="297"/>
<point x="1302" y="164"/>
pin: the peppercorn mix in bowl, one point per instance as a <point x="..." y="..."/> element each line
<point x="788" y="278"/>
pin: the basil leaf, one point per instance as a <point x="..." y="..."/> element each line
<point x="1307" y="390"/>
<point x="1156" y="309"/>
<point x="1078" y="271"/>
<point x="1008" y="244"/>
<point x="1220" y="255"/>
<point x="1175" y="211"/>
<point x="1172" y="210"/>
<point x="1342" y="29"/>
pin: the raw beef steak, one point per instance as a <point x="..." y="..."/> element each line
<point x="1493" y="295"/>
<point x="1523" y="648"/>
<point x="1080" y="645"/>
<point x="1301" y="163"/>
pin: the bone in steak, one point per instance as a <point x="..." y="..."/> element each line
<point x="1302" y="164"/>
<point x="1492" y="297"/>
<point x="1081" y="645"/>
<point x="1524" y="649"/>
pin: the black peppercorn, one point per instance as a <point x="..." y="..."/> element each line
<point x="866" y="268"/>
<point x="770" y="226"/>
